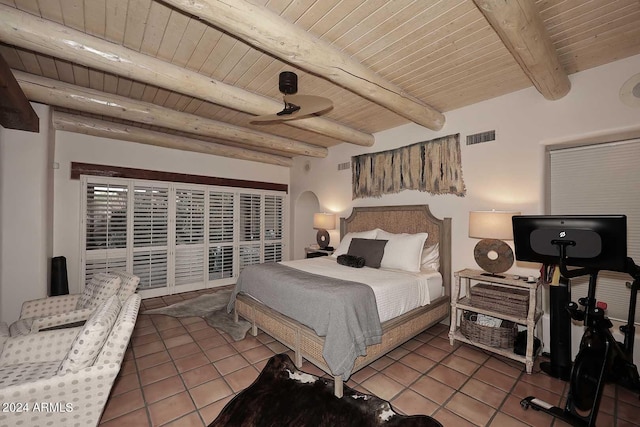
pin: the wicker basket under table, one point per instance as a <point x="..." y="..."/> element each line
<point x="500" y="337"/>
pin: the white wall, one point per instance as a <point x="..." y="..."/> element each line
<point x="72" y="147"/>
<point x="25" y="214"/>
<point x="503" y="174"/>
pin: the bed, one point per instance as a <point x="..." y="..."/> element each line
<point x="306" y="344"/>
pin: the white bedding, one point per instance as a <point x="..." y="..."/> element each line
<point x="397" y="292"/>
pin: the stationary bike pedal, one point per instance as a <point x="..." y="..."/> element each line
<point x="574" y="311"/>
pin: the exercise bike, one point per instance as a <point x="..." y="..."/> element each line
<point x="601" y="358"/>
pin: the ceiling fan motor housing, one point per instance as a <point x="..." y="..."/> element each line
<point x="288" y="82"/>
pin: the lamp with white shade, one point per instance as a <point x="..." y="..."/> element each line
<point x="323" y="222"/>
<point x="491" y="253"/>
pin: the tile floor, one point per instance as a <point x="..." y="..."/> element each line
<point x="181" y="372"/>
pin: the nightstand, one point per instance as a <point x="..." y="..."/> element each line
<point x="314" y="251"/>
<point x="460" y="304"/>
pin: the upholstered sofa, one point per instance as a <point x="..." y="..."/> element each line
<point x="63" y="377"/>
<point x="61" y="310"/>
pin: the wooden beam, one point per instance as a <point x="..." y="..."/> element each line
<point x="49" y="38"/>
<point x="89" y="126"/>
<point x="519" y="25"/>
<point x="53" y="92"/>
<point x="15" y="110"/>
<point x="78" y="169"/>
<point x="268" y="31"/>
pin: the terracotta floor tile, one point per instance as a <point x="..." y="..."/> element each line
<point x="419" y="363"/>
<point x="484" y="392"/>
<point x="200" y="375"/>
<point x="460" y="364"/>
<point x="157" y="373"/>
<point x="211" y="412"/>
<point x="495" y="378"/>
<point x="170" y="409"/>
<point x="411" y="403"/>
<point x="220" y="352"/>
<point x="431" y="352"/>
<point x="382" y="386"/>
<point x="382" y="363"/>
<point x="257" y="354"/>
<point x="191" y="362"/>
<point x="242" y="378"/>
<point x="448" y="376"/>
<point x="184" y="350"/>
<point x="124" y="383"/>
<point x="123" y="404"/>
<point x="163" y="389"/>
<point x="470" y="409"/>
<point x="448" y="418"/>
<point x="401" y="373"/>
<point x="178" y="341"/>
<point x="192" y="419"/>
<point x="169" y="378"/>
<point x="172" y="332"/>
<point x="433" y="389"/>
<point x="136" y="418"/>
<point x="503" y="420"/>
<point x="145" y="349"/>
<point x="230" y="364"/>
<point x="472" y="353"/>
<point x="152" y="360"/>
<point x="210" y="392"/>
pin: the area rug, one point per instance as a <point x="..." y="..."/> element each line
<point x="212" y="308"/>
<point x="284" y="396"/>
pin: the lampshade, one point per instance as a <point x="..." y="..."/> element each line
<point x="491" y="225"/>
<point x="324" y="221"/>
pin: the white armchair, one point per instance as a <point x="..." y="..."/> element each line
<point x="63" y="377"/>
<point x="62" y="310"/>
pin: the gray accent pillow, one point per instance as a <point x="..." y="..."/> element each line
<point x="371" y="250"/>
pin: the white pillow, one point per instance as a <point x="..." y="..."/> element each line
<point x="402" y="251"/>
<point x="343" y="247"/>
<point x="431" y="257"/>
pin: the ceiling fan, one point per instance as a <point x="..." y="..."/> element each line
<point x="295" y="106"/>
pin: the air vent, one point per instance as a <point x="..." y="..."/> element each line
<point x="478" y="138"/>
<point x="344" y="166"/>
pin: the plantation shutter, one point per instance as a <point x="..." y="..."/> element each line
<point x="221" y="226"/>
<point x="105" y="228"/>
<point x="150" y="238"/>
<point x="249" y="232"/>
<point x="600" y="179"/>
<point x="273" y="225"/>
<point x="189" y="232"/>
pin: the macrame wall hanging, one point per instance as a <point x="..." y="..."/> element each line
<point x="432" y="166"/>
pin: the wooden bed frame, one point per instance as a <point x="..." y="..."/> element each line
<point x="304" y="341"/>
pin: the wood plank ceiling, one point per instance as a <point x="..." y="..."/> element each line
<point x="440" y="54"/>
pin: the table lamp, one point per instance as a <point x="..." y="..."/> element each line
<point x="323" y="222"/>
<point x="492" y="254"/>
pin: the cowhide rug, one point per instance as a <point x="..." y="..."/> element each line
<point x="284" y="396"/>
<point x="212" y="308"/>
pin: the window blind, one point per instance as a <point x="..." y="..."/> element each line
<point x="600" y="179"/>
<point x="178" y="235"/>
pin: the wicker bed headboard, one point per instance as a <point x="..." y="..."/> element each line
<point x="405" y="219"/>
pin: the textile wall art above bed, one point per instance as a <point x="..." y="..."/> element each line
<point x="433" y="166"/>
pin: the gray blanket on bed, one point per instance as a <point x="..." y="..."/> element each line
<point x="343" y="312"/>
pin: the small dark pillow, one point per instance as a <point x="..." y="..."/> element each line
<point x="351" y="261"/>
<point x="371" y="250"/>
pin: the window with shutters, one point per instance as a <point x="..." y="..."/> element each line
<point x="105" y="232"/>
<point x="175" y="236"/>
<point x="600" y="179"/>
<point x="150" y="234"/>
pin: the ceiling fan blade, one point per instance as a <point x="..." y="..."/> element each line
<point x="308" y="104"/>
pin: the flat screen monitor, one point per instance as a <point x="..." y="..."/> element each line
<point x="593" y="241"/>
